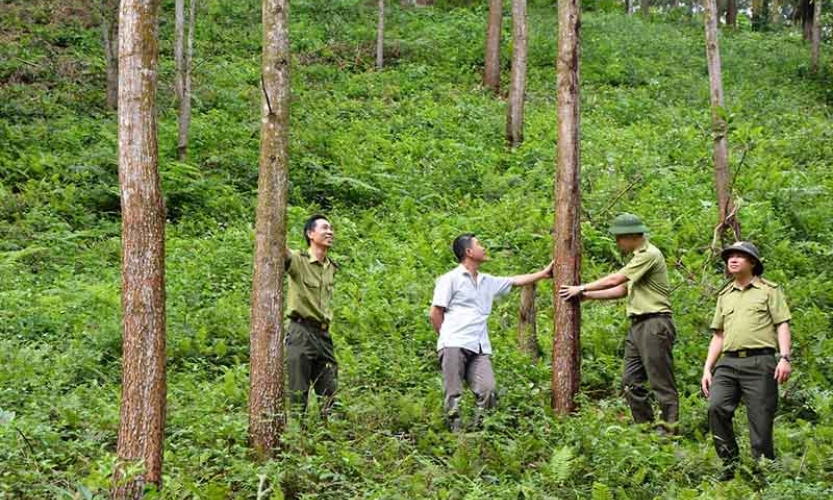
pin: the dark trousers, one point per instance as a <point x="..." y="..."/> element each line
<point x="649" y="358"/>
<point x="751" y="380"/>
<point x="311" y="362"/>
<point x="460" y="364"/>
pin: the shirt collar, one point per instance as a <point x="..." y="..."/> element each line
<point x="465" y="272"/>
<point x="756" y="282"/>
<point x="311" y="258"/>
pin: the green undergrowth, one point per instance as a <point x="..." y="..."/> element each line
<point x="403" y="160"/>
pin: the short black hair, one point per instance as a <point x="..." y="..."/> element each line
<point x="309" y="225"/>
<point x="461" y="244"/>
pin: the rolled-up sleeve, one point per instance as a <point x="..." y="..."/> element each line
<point x="442" y="292"/>
<point x="638" y="266"/>
<point x="778" y="309"/>
<point x="717" y="320"/>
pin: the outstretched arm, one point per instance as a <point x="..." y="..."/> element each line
<point x="613" y="281"/>
<point x="616" y="292"/>
<point x="527" y="279"/>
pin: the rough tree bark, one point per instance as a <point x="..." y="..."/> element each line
<point x="758" y="17"/>
<point x="266" y="398"/>
<point x="491" y="70"/>
<point x="567" y="252"/>
<point x="628" y="7"/>
<point x="380" y="37"/>
<point x="816" y="46"/>
<point x="645" y="6"/>
<point x="527" y="327"/>
<point x="109" y="12"/>
<point x="731" y="13"/>
<point x="719" y="127"/>
<point x="804" y="12"/>
<point x="183" y="56"/>
<point x="142" y="417"/>
<point x="517" y="85"/>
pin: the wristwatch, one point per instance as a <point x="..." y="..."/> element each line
<point x="785" y="357"/>
<point x="582" y="289"/>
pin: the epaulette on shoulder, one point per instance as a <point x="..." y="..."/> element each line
<point x="726" y="287"/>
<point x="334" y="263"/>
<point x="768" y="283"/>
<point x="304" y="253"/>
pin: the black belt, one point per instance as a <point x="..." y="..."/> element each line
<point x="748" y="353"/>
<point x="311" y="323"/>
<point x="643" y="317"/>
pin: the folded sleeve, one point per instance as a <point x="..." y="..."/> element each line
<point x="778" y="309"/>
<point x="640" y="264"/>
<point x="443" y="291"/>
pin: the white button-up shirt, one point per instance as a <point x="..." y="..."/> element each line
<point x="467" y="306"/>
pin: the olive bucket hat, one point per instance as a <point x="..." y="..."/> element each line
<point x="746" y="248"/>
<point x="627" y="224"/>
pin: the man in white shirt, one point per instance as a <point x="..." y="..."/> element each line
<point x="459" y="311"/>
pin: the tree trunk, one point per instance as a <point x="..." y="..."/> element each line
<point x="527" y="328"/>
<point x="380" y="37"/>
<point x="266" y="398"/>
<point x="805" y="12"/>
<point x="109" y="11"/>
<point x="719" y="127"/>
<point x="183" y="56"/>
<point x="775" y="12"/>
<point x="731" y="13"/>
<point x="491" y="71"/>
<point x="758" y="18"/>
<point x="628" y="7"/>
<point x="814" y="56"/>
<point x="424" y="3"/>
<point x="646" y="7"/>
<point x="517" y="86"/>
<point x="142" y="417"/>
<point x="567" y="252"/>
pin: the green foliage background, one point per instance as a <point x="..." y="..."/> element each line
<point x="402" y="160"/>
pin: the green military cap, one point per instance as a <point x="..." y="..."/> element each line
<point x="627" y="224"/>
<point x="747" y="248"/>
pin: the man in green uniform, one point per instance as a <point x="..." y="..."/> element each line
<point x="648" y="348"/>
<point x="750" y="322"/>
<point x="310" y="356"/>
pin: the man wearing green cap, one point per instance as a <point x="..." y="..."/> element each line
<point x="750" y="322"/>
<point x="648" y="347"/>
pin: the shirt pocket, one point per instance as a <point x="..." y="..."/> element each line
<point x="312" y="283"/>
<point x="728" y="314"/>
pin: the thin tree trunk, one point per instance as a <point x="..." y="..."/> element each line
<point x="142" y="417"/>
<point x="109" y="10"/>
<point x="567" y="252"/>
<point x="380" y="37"/>
<point x="775" y="12"/>
<point x="719" y="127"/>
<point x="758" y="18"/>
<point x="805" y="12"/>
<point x="628" y="9"/>
<point x="424" y="3"/>
<point x="731" y="13"/>
<point x="491" y="71"/>
<point x="183" y="56"/>
<point x="517" y="86"/>
<point x="527" y="327"/>
<point x="266" y="398"/>
<point x="814" y="56"/>
<point x="646" y="7"/>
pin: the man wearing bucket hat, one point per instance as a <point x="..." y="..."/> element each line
<point x="751" y="324"/>
<point x="648" y="347"/>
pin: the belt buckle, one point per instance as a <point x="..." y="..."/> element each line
<point x="743" y="354"/>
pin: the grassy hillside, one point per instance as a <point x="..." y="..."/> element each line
<point x="403" y="160"/>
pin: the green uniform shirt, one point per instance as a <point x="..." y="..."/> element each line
<point x="648" y="287"/>
<point x="748" y="316"/>
<point x="310" y="287"/>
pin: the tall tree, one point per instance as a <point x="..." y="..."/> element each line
<point x="816" y="44"/>
<point x="567" y="252"/>
<point x="109" y="13"/>
<point x="142" y="418"/>
<point x="645" y="5"/>
<point x="184" y="55"/>
<point x="517" y="85"/>
<point x="775" y="12"/>
<point x="527" y="327"/>
<point x="758" y="15"/>
<point x="731" y="13"/>
<point x="491" y="70"/>
<point x="719" y="125"/>
<point x="804" y="12"/>
<point x="628" y="7"/>
<point x="266" y="399"/>
<point x="380" y="36"/>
